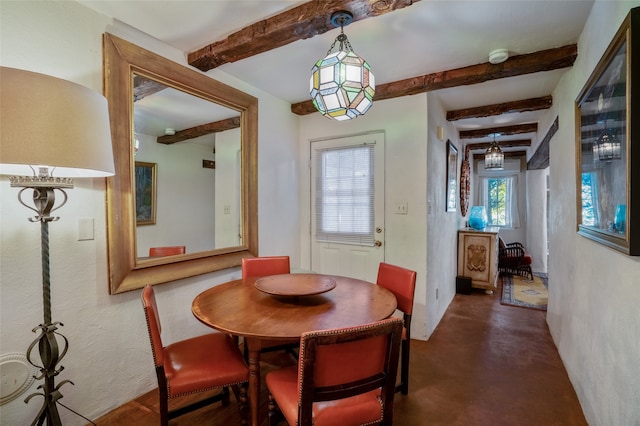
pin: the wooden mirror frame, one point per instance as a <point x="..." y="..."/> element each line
<point x="126" y="271"/>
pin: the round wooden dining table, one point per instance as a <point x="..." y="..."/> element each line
<point x="262" y="315"/>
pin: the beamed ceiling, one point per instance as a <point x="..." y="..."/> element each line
<point x="412" y="46"/>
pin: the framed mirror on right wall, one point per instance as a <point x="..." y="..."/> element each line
<point x="608" y="144"/>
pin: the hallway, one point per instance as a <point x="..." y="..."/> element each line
<point x="488" y="364"/>
<point x="485" y="364"/>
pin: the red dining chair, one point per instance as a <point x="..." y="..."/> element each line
<point x="265" y="266"/>
<point x="262" y="267"/>
<point x="344" y="377"/>
<point x="194" y="365"/>
<point x="402" y="283"/>
<point x="166" y="251"/>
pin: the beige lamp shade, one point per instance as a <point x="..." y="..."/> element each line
<point x="46" y="121"/>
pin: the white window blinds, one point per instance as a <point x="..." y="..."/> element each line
<point x="344" y="195"/>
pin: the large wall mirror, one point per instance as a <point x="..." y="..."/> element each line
<point x="185" y="148"/>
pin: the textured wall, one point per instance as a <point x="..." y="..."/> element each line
<point x="405" y="125"/>
<point x="594" y="291"/>
<point x="110" y="357"/>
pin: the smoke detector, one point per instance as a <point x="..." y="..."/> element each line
<point x="498" y="56"/>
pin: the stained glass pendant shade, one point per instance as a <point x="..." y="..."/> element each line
<point x="342" y="84"/>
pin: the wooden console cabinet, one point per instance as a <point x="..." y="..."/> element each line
<point x="478" y="257"/>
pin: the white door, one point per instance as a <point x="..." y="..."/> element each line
<point x="347" y="206"/>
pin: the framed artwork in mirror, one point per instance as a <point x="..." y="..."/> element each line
<point x="452" y="167"/>
<point x="608" y="145"/>
<point x="145" y="175"/>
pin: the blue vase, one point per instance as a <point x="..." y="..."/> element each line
<point x="478" y="217"/>
<point x="620" y="218"/>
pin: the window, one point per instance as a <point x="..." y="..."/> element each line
<point x="589" y="199"/>
<point x="497" y="201"/>
<point x="344" y="195"/>
<point x="499" y="196"/>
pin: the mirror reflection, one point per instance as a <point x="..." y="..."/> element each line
<point x="226" y="112"/>
<point x="187" y="171"/>
<point x="603" y="150"/>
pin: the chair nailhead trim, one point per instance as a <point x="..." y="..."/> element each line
<point x="204" y="390"/>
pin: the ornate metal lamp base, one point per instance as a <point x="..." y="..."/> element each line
<point x="50" y="352"/>
<point x="50" y="356"/>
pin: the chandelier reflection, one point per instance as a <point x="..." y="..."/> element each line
<point x="607" y="147"/>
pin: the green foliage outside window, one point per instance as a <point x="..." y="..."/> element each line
<point x="497" y="201"/>
<point x="588" y="199"/>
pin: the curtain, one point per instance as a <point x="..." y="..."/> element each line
<point x="513" y="216"/>
<point x="483" y="192"/>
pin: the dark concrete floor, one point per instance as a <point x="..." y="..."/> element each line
<point x="485" y="364"/>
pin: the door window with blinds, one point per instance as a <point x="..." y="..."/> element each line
<point x="345" y="195"/>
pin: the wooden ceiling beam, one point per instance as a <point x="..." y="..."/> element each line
<point x="503" y="130"/>
<point x="505" y="144"/>
<point x="608" y="118"/>
<point x="544" y="60"/>
<point x="524" y="105"/>
<point x="143" y="87"/>
<point x="540" y="159"/>
<point x="203" y="129"/>
<point x="298" y="23"/>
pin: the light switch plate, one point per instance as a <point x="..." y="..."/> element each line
<point x="85" y="229"/>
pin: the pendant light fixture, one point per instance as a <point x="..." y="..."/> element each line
<point x="607" y="147"/>
<point x="342" y="84"/>
<point x="494" y="157"/>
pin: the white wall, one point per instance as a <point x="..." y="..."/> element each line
<point x="110" y="357"/>
<point x="594" y="291"/>
<point x="278" y="186"/>
<point x="442" y="226"/>
<point x="511" y="166"/>
<point x="404" y="121"/>
<point x="532" y="208"/>
<point x="180" y="181"/>
<point x="227" y="189"/>
<point x="537" y="218"/>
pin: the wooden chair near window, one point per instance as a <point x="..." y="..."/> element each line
<point x="262" y="267"/>
<point x="514" y="259"/>
<point x="195" y="365"/>
<point x="343" y="377"/>
<point x="166" y="251"/>
<point x="402" y="283"/>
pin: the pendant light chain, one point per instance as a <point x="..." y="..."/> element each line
<point x="344" y="42"/>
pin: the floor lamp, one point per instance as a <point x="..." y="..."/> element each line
<point x="51" y="131"/>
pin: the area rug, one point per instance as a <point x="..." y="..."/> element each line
<point x="525" y="293"/>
